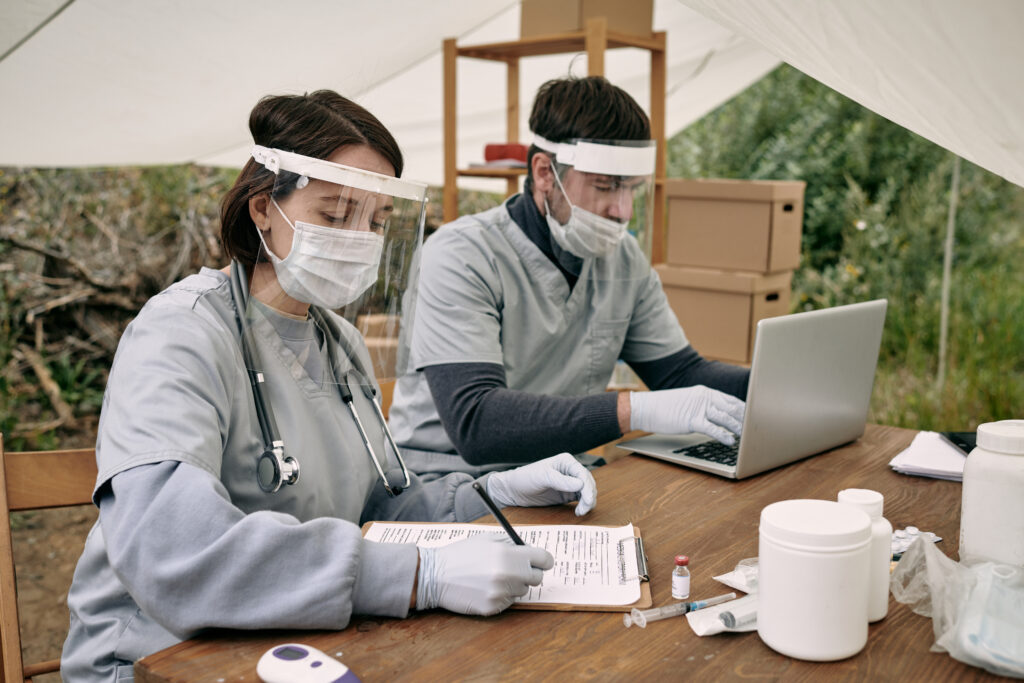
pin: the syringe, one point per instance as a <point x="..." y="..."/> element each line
<point x="732" y="621"/>
<point x="641" y="617"/>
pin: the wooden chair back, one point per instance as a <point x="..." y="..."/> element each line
<point x="387" y="390"/>
<point x="33" y="480"/>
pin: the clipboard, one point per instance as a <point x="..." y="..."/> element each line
<point x="643" y="602"/>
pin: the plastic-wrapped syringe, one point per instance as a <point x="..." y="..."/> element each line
<point x="642" y="617"/>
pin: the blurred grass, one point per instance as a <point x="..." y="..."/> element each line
<point x="985" y="374"/>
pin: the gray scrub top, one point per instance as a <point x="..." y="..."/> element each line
<point x="186" y="540"/>
<point x="487" y="294"/>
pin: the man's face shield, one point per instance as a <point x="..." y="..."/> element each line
<point x="612" y="179"/>
<point x="341" y="238"/>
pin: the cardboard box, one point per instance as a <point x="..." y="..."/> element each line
<point x="719" y="310"/>
<point x="378" y="325"/>
<point x="383" y="355"/>
<point x="545" y="17"/>
<point x="749" y="225"/>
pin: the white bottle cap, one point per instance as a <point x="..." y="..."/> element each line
<point x="815" y="524"/>
<point x="1005" y="436"/>
<point x="867" y="500"/>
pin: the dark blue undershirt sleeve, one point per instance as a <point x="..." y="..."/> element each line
<point x="687" y="368"/>
<point x="490" y="423"/>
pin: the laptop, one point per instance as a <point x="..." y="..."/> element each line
<point x="810" y="386"/>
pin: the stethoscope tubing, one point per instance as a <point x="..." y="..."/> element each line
<point x="286" y="468"/>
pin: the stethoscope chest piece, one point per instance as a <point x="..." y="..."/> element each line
<point x="273" y="470"/>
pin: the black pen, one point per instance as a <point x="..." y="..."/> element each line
<point x="497" y="514"/>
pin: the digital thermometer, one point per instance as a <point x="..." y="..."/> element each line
<point x="297" y="663"/>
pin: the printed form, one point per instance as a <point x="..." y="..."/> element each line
<point x="594" y="565"/>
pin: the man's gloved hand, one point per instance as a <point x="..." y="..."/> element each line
<point x="480" y="575"/>
<point x="552" y="481"/>
<point x="692" y="409"/>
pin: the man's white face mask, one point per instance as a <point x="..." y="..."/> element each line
<point x="326" y="267"/>
<point x="587" y="234"/>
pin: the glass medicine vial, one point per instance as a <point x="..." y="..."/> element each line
<point x="681" y="578"/>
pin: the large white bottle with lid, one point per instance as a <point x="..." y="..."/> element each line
<point x="881" y="548"/>
<point x="992" y="509"/>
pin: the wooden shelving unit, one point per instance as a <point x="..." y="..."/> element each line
<point x="595" y="40"/>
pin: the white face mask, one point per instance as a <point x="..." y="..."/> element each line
<point x="327" y="267"/>
<point x="586" y="235"/>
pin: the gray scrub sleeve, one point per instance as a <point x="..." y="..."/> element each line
<point x="654" y="331"/>
<point x="192" y="560"/>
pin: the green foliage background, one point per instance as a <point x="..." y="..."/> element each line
<point x="876" y="207"/>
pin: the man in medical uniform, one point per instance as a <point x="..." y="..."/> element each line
<point x="523" y="310"/>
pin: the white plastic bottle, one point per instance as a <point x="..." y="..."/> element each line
<point x="992" y="509"/>
<point x="813" y="579"/>
<point x="681" y="578"/>
<point x="881" y="548"/>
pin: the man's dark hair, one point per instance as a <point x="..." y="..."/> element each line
<point x="591" y="107"/>
<point x="315" y="125"/>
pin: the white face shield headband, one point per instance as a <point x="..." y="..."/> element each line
<point x="608" y="186"/>
<point x="340" y="218"/>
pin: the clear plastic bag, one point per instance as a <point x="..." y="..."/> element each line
<point x="743" y="577"/>
<point x="977" y="611"/>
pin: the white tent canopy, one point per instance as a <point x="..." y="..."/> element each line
<point x="113" y="82"/>
<point x="949" y="70"/>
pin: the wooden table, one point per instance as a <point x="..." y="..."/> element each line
<point x="712" y="520"/>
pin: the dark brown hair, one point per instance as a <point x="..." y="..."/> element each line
<point x="591" y="107"/>
<point x="316" y="125"/>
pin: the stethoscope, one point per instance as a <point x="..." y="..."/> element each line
<point x="275" y="469"/>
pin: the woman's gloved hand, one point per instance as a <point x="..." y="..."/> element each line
<point x="480" y="575"/>
<point x="552" y="481"/>
<point x="692" y="409"/>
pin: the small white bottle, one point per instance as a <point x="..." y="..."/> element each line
<point x="881" y="548"/>
<point x="992" y="510"/>
<point x="681" y="578"/>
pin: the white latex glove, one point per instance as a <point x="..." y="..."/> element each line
<point x="691" y="409"/>
<point x="480" y="575"/>
<point x="551" y="481"/>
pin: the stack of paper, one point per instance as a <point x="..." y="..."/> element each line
<point x="930" y="455"/>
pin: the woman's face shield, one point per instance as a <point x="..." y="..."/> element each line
<point x="613" y="179"/>
<point x="343" y="238"/>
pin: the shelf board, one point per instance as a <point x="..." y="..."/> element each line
<point x="491" y="172"/>
<point x="556" y="43"/>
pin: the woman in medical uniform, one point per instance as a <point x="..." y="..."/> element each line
<point x="240" y="447"/>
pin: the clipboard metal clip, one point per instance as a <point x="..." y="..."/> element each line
<point x="641" y="557"/>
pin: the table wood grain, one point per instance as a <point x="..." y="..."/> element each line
<point x="712" y="520"/>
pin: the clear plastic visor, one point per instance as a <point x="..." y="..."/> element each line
<point x="613" y="179"/>
<point x="332" y="282"/>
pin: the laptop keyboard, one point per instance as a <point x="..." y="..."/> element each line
<point x="712" y="451"/>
